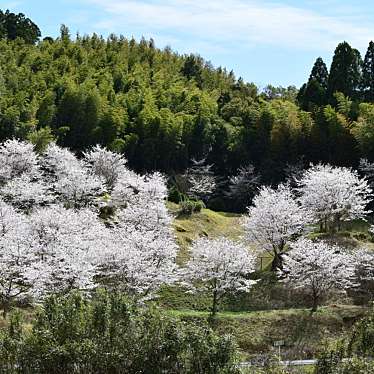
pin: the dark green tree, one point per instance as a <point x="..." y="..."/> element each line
<point x="368" y="74"/>
<point x="313" y="93"/>
<point x="192" y="68"/>
<point x="345" y="72"/>
<point x="14" y="26"/>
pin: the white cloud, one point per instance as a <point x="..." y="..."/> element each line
<point x="11" y="5"/>
<point x="235" y="22"/>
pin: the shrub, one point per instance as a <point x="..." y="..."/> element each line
<point x="191" y="206"/>
<point x="358" y="349"/>
<point x="110" y="334"/>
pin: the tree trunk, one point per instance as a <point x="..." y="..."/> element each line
<point x="315" y="303"/>
<point x="5" y="309"/>
<point x="277" y="263"/>
<point x="214" y="309"/>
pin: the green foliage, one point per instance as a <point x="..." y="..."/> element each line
<point x="352" y="355"/>
<point x="313" y="94"/>
<point x="41" y="138"/>
<point x="109" y="334"/>
<point x="188" y="206"/>
<point x="345" y="72"/>
<point x="363" y="130"/>
<point x="14" y="26"/>
<point x="367" y="84"/>
<point x="162" y="109"/>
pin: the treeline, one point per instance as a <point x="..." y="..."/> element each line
<point x="162" y="109"/>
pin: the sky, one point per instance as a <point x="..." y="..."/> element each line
<point x="265" y="42"/>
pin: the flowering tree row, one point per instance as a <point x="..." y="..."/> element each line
<point x="69" y="223"/>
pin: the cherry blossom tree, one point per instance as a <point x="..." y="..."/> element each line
<point x="144" y="255"/>
<point x="17" y="158"/>
<point x="68" y="246"/>
<point x="333" y="194"/>
<point x="317" y="267"/>
<point x="65" y="244"/>
<point x="243" y="186"/>
<point x="15" y="256"/>
<point x="293" y="172"/>
<point x="106" y="164"/>
<point x="57" y="162"/>
<point x="367" y="168"/>
<point x="26" y="193"/>
<point x="218" y="266"/>
<point x="274" y="219"/>
<point x="200" y="180"/>
<point x="365" y="271"/>
<point x="70" y="179"/>
<point x="79" y="188"/>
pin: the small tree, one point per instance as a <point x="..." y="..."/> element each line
<point x="218" y="266"/>
<point x="243" y="186"/>
<point x="317" y="267"/>
<point x="365" y="272"/>
<point x="273" y="220"/>
<point x="200" y="180"/>
<point x="106" y="164"/>
<point x="333" y="194"/>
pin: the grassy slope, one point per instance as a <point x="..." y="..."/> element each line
<point x="205" y="223"/>
<point x="257" y="330"/>
<point x="302" y="333"/>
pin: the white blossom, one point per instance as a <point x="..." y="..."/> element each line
<point x="143" y="256"/>
<point x="365" y="270"/>
<point x="106" y="164"/>
<point x="317" y="267"/>
<point x="58" y="162"/>
<point x="219" y="266"/>
<point x="243" y="185"/>
<point x="200" y="180"/>
<point x="15" y="256"/>
<point x="25" y="193"/>
<point x="66" y="244"/>
<point x="274" y="219"/>
<point x="333" y="194"/>
<point x="79" y="188"/>
<point x="17" y="158"/>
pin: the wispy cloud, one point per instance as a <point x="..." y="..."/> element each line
<point x="11" y="5"/>
<point x="248" y="23"/>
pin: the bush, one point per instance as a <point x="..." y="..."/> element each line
<point x="358" y="349"/>
<point x="110" y="334"/>
<point x="191" y="206"/>
<point x="174" y="195"/>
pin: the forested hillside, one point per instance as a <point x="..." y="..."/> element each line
<point x="163" y="109"/>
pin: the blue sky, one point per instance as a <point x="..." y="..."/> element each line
<point x="263" y="41"/>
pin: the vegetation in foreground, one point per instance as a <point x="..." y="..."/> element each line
<point x="108" y="333"/>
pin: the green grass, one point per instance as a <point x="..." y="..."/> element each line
<point x="256" y="330"/>
<point x="302" y="333"/>
<point x="206" y="223"/>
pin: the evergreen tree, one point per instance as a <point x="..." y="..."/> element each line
<point x="345" y="72"/>
<point x="14" y="26"/>
<point x="320" y="73"/>
<point x="368" y="74"/>
<point x="313" y="93"/>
